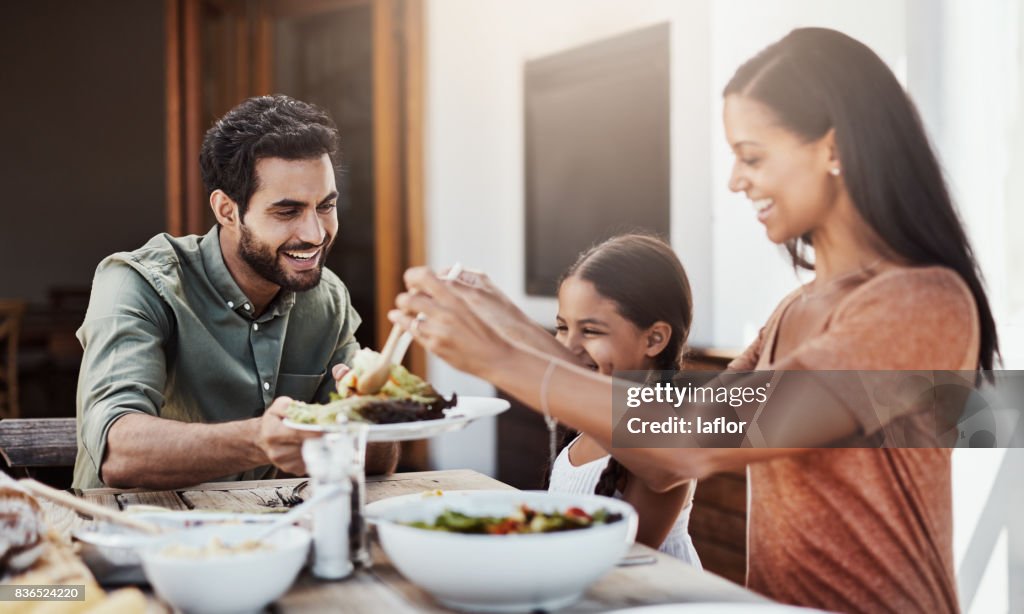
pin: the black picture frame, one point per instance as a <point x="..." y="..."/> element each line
<point x="597" y="149"/>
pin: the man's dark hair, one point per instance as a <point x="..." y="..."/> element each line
<point x="262" y="127"/>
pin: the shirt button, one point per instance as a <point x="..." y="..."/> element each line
<point x="255" y="326"/>
<point x="247" y="307"/>
<point x="266" y="385"/>
<point x="231" y="304"/>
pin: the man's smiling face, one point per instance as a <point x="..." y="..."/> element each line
<point x="291" y="221"/>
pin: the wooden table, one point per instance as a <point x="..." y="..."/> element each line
<point x="382" y="588"/>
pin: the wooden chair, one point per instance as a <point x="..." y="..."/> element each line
<point x="33" y="443"/>
<point x="11" y="312"/>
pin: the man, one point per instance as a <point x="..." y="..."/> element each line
<point x="194" y="346"/>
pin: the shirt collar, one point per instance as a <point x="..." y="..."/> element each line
<point x="232" y="296"/>
<point x="282" y="304"/>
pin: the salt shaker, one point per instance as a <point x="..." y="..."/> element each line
<point x="328" y="460"/>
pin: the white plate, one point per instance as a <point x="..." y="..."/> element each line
<point x="465" y="411"/>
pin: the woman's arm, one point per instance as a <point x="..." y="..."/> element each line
<point x="583" y="400"/>
<point x="812" y="414"/>
<point x="455" y="333"/>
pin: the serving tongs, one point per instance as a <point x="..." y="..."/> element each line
<point x="88" y="508"/>
<point x="394" y="351"/>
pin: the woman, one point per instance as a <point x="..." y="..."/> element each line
<point x="834" y="158"/>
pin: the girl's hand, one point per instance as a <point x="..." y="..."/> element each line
<point x="448" y="325"/>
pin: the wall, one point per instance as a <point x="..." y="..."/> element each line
<point x="82" y="154"/>
<point x="474" y="157"/>
<point x="981" y="139"/>
<point x="978" y="128"/>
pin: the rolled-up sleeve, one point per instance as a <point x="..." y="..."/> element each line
<point x="124" y="363"/>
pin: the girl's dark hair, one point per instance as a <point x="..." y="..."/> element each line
<point x="262" y="127"/>
<point x="816" y="79"/>
<point x="645" y="279"/>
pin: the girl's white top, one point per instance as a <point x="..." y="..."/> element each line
<point x="581" y="480"/>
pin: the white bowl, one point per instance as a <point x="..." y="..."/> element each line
<point x="501" y="573"/>
<point x="230" y="583"/>
<point x="112" y="552"/>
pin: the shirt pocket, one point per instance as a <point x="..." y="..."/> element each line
<point x="299" y="387"/>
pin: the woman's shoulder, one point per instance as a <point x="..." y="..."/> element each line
<point x="925" y="315"/>
<point x="749" y="358"/>
<point x="935" y="288"/>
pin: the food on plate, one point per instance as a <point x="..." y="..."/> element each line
<point x="214" y="548"/>
<point x="525" y="520"/>
<point x="403" y="398"/>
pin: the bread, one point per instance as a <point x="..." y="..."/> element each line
<point x="21" y="528"/>
<point x="25" y="542"/>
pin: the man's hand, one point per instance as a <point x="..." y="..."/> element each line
<point x="339" y="371"/>
<point x="282" y="445"/>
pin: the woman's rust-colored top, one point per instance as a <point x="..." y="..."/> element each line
<point x="864" y="530"/>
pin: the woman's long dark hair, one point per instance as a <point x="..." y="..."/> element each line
<point x="816" y="79"/>
<point x="645" y="279"/>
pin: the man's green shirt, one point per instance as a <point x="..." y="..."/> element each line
<point x="168" y="333"/>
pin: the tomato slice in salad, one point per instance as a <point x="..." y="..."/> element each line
<point x="576" y="513"/>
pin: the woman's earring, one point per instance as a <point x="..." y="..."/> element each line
<point x="834" y="171"/>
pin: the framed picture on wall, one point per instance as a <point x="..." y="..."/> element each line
<point x="597" y="148"/>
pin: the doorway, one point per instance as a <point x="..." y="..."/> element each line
<point x="361" y="60"/>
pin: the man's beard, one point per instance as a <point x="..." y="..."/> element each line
<point x="267" y="263"/>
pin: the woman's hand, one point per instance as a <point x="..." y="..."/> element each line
<point x="443" y="321"/>
<point x="498" y="310"/>
<point x="491" y="304"/>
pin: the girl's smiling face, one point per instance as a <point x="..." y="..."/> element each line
<point x="591" y="327"/>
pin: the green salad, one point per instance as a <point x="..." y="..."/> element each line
<point x="403" y="398"/>
<point x="525" y="520"/>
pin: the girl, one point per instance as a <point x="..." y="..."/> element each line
<point x="833" y="156"/>
<point x="626" y="306"/>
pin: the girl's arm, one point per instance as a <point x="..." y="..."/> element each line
<point x="658" y="510"/>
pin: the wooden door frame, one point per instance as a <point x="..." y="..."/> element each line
<point x="398" y="93"/>
<point x="398" y="153"/>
